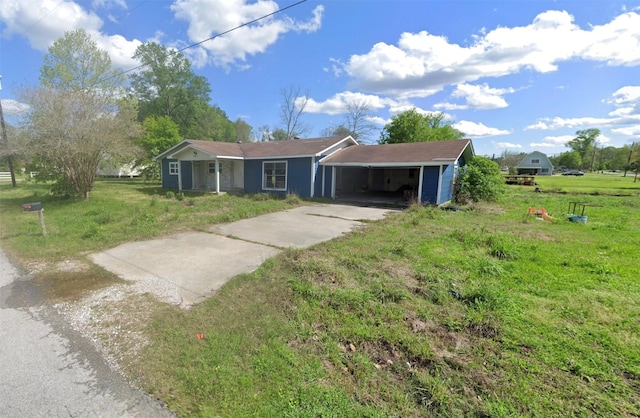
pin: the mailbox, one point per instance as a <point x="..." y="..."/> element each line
<point x="32" y="207"/>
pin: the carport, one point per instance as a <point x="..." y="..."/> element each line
<point x="423" y="172"/>
<point x="392" y="185"/>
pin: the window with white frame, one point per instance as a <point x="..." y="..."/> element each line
<point x="274" y="175"/>
<point x="212" y="168"/>
<point x="173" y="168"/>
<point x="535" y="161"/>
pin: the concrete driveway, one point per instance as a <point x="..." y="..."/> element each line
<point x="188" y="268"/>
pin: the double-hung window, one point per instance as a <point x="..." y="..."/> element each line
<point x="173" y="168"/>
<point x="274" y="175"/>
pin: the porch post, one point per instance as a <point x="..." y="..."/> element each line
<point x="323" y="178"/>
<point x="420" y="184"/>
<point x="439" y="192"/>
<point x="313" y="176"/>
<point x="217" y="176"/>
<point x="179" y="175"/>
<point x="334" y="174"/>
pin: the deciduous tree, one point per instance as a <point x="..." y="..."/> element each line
<point x="78" y="117"/>
<point x="584" y="143"/>
<point x="167" y="86"/>
<point x="413" y="126"/>
<point x="291" y="111"/>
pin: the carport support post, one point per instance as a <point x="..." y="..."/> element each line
<point x="217" y="176"/>
<point x="420" y="184"/>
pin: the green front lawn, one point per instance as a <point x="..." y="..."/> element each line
<point x="483" y="312"/>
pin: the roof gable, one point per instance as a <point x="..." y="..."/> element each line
<point x="526" y="162"/>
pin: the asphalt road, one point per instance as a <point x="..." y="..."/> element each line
<point x="49" y="370"/>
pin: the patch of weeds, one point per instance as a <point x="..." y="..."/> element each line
<point x="190" y="202"/>
<point x="387" y="292"/>
<point x="292" y="199"/>
<point x="503" y="246"/>
<point x="180" y="196"/>
<point x="260" y="197"/>
<point x="469" y="239"/>
<point x="487" y="267"/>
<point x="154" y="201"/>
<point x="170" y="194"/>
<point x="92" y="231"/>
<point x="147" y="218"/>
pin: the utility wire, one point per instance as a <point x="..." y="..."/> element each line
<point x="215" y="36"/>
<point x="195" y="44"/>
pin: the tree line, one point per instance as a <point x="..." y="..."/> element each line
<point x="585" y="152"/>
<point x="84" y="112"/>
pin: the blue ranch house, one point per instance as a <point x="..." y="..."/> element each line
<point x="337" y="167"/>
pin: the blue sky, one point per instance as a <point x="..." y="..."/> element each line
<point x="512" y="75"/>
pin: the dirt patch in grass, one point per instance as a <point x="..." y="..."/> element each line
<point x="72" y="280"/>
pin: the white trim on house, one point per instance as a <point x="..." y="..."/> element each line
<point x="313" y="177"/>
<point x="420" y="184"/>
<point x="324" y="173"/>
<point x="264" y="178"/>
<point x="392" y="165"/>
<point x="333" y="183"/>
<point x="439" y="192"/>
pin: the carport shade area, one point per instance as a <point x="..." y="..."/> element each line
<point x="423" y="171"/>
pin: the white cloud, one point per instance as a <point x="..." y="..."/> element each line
<point x="505" y="145"/>
<point x="12" y="107"/>
<point x="558" y="123"/>
<point x="109" y="4"/>
<point x="558" y="140"/>
<point x="627" y="101"/>
<point x="338" y="103"/>
<point x="632" y="130"/>
<point x="543" y="145"/>
<point x="478" y="130"/>
<point x="207" y="18"/>
<point x="478" y="96"/>
<point x="421" y="64"/>
<point x="624" y="119"/>
<point x="44" y="21"/>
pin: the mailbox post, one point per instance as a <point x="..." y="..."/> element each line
<point x="37" y="207"/>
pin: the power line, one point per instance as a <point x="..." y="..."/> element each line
<point x="42" y="18"/>
<point x="194" y="44"/>
<point x="215" y="36"/>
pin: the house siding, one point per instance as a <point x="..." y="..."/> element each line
<point x="430" y="179"/>
<point x="298" y="176"/>
<point x="446" y="192"/>
<point x="168" y="181"/>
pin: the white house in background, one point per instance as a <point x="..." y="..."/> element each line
<point x="535" y="164"/>
<point x="110" y="168"/>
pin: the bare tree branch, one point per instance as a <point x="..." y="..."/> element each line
<point x="291" y="110"/>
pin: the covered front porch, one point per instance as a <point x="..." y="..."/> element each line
<point x="218" y="175"/>
<point x="204" y="170"/>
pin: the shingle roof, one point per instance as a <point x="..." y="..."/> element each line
<point x="292" y="148"/>
<point x="296" y="147"/>
<point x="408" y="153"/>
<point x="226" y="149"/>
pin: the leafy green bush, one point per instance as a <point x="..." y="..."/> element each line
<point x="479" y="180"/>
